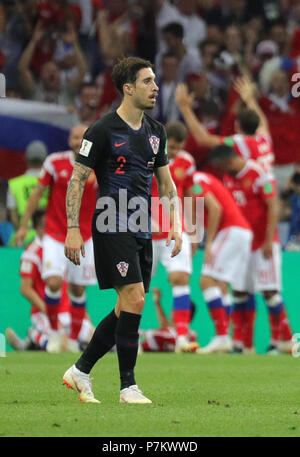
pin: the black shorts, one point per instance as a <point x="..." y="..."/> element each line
<point x="121" y="259"/>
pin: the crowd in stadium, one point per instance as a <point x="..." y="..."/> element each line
<point x="62" y="52"/>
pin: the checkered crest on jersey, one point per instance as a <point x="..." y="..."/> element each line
<point x="154" y="141"/>
<point x="123" y="268"/>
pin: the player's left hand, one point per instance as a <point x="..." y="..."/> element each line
<point x="177" y="236"/>
<point x="267" y="250"/>
<point x="74" y="245"/>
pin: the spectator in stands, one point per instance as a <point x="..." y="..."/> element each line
<point x="165" y="13"/>
<point x="278" y="34"/>
<point x="15" y="28"/>
<point x="19" y="188"/>
<point x="283" y="111"/>
<point x="166" y="108"/>
<point x="87" y="111"/>
<point x="292" y="193"/>
<point x="194" y="26"/>
<point x="190" y="60"/>
<point x="49" y="87"/>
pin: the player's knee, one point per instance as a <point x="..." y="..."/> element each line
<point x="132" y="299"/>
<point x="273" y="298"/>
<point x="54" y="283"/>
<point x="77" y="290"/>
<point x="137" y="303"/>
<point x="179" y="279"/>
<point x="206" y="281"/>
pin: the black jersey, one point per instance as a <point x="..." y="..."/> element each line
<point x="123" y="160"/>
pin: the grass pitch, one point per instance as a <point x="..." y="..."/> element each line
<point x="193" y="396"/>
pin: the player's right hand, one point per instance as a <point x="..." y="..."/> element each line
<point x="74" y="245"/>
<point x="20" y="236"/>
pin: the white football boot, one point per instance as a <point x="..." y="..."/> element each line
<point x="183" y="345"/>
<point x="221" y="343"/>
<point x="133" y="394"/>
<point x="81" y="382"/>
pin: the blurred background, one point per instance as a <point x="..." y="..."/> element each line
<point x="57" y="57"/>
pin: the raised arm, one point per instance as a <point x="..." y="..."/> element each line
<point x="71" y="37"/>
<point x="199" y="132"/>
<point x="168" y="195"/>
<point x="247" y="91"/>
<point x="26" y="76"/>
<point x="74" y="242"/>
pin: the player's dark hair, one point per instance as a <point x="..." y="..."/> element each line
<point x="248" y="120"/>
<point x="176" y="130"/>
<point x="223" y="152"/>
<point x="37" y="217"/>
<point x="126" y="71"/>
<point x="175" y="29"/>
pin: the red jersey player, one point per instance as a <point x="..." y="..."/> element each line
<point x="227" y="231"/>
<point x="252" y="139"/>
<point x="178" y="268"/>
<point x="163" y="339"/>
<point x="254" y="190"/>
<point x="56" y="172"/>
<point x="32" y="287"/>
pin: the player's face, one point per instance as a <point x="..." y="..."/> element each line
<point x="174" y="147"/>
<point x="75" y="138"/>
<point x="145" y="90"/>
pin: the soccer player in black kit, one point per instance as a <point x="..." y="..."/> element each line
<point x="124" y="148"/>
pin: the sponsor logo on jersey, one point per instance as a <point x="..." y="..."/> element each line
<point x="117" y="145"/>
<point x="64" y="173"/>
<point x="151" y="163"/>
<point x="85" y="148"/>
<point x="123" y="268"/>
<point x="179" y="172"/>
<point x="154" y="141"/>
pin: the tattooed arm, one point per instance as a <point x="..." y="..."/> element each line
<point x="74" y="242"/>
<point x="168" y="195"/>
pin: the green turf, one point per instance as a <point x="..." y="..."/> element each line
<point x="220" y="395"/>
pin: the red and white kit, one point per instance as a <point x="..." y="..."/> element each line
<point x="251" y="188"/>
<point x="163" y="339"/>
<point x="257" y="147"/>
<point x="31" y="267"/>
<point x="56" y="173"/>
<point x="181" y="168"/>
<point x="232" y="244"/>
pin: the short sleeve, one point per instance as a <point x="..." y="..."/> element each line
<point x="47" y="172"/>
<point x="267" y="186"/>
<point x="162" y="155"/>
<point x="28" y="269"/>
<point x="268" y="189"/>
<point x="93" y="146"/>
<point x="195" y="185"/>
